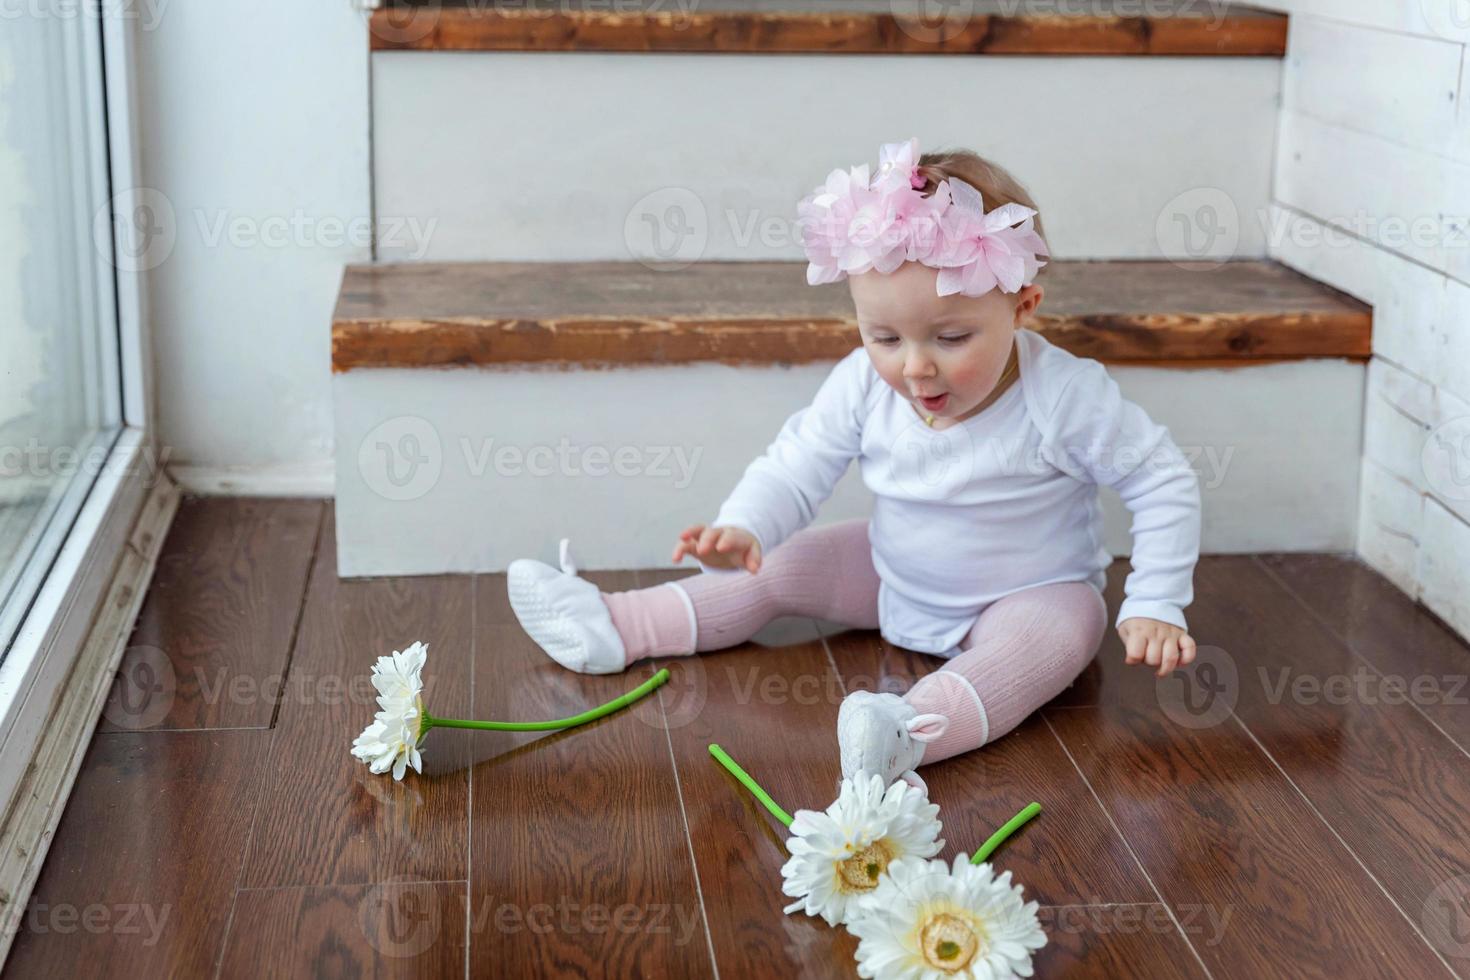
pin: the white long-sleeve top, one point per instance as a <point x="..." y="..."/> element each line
<point x="1005" y="500"/>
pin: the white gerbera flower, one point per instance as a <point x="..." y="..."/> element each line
<point x="842" y="854"/>
<point x="399" y="677"/>
<point x="925" y="921"/>
<point x="392" y="740"/>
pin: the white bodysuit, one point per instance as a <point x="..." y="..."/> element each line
<point x="1000" y="502"/>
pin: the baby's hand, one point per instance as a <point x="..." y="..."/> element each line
<point x="1156" y="643"/>
<point x="720" y="547"/>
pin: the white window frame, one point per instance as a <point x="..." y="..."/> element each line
<point x="65" y="652"/>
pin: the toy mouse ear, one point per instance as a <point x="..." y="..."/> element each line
<point x="916" y="781"/>
<point x="926" y="728"/>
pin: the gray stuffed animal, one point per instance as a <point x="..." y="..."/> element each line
<point x="883" y="733"/>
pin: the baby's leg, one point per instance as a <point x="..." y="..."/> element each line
<point x="1022" y="652"/>
<point x="823" y="572"/>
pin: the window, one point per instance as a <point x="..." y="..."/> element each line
<point x="60" y="401"/>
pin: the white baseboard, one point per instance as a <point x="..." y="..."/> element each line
<point x="310" y="479"/>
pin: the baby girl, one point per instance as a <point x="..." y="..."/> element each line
<point x="983" y="445"/>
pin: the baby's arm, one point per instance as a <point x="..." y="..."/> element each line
<point x="781" y="490"/>
<point x="1121" y="447"/>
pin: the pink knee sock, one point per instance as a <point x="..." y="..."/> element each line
<point x="823" y="572"/>
<point x="1022" y="652"/>
<point x="656" y="622"/>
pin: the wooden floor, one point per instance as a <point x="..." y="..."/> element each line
<point x="1297" y="805"/>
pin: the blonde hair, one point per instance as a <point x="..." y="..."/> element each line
<point x="994" y="182"/>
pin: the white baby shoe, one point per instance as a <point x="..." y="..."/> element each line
<point x="883" y="733"/>
<point x="565" y="615"/>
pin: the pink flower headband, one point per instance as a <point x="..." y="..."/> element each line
<point x="851" y="225"/>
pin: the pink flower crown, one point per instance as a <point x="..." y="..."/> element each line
<point x="851" y="225"/>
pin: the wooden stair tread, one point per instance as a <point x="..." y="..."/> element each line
<point x="623" y="314"/>
<point x="1124" y="27"/>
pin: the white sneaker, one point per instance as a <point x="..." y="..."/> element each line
<point x="565" y="615"/>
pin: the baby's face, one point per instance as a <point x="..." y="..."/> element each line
<point x="953" y="348"/>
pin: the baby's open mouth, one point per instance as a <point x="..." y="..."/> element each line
<point x="936" y="403"/>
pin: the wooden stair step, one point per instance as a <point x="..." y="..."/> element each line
<point x="1013" y="27"/>
<point x="623" y="314"/>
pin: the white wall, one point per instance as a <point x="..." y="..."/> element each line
<point x="254" y="134"/>
<point x="1372" y="195"/>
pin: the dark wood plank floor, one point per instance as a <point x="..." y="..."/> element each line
<point x="1296" y="804"/>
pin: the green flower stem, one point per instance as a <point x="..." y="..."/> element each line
<point x="750" y="784"/>
<point x="622" y="701"/>
<point x="999" y="837"/>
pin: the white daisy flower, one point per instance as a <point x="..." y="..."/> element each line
<point x="925" y="921"/>
<point x="840" y="855"/>
<point x="392" y="740"/>
<point x="399" y="677"/>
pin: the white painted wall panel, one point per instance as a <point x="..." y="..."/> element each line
<point x="1446" y="455"/>
<point x="1408" y="394"/>
<point x="1462" y="120"/>
<point x="1451" y="365"/>
<point x="1419" y="434"/>
<point x="1444" y="566"/>
<point x="1408" y="300"/>
<point x="1446" y="19"/>
<point x="1406" y="201"/>
<point x="1390" y="524"/>
<point x="1393" y="433"/>
<point x="1400" y="87"/>
<point x="1376" y="130"/>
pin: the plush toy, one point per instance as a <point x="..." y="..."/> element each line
<point x="884" y="734"/>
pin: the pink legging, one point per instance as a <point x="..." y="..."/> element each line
<point x="1023" y="650"/>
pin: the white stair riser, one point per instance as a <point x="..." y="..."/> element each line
<point x="467" y="470"/>
<point x="571" y="157"/>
